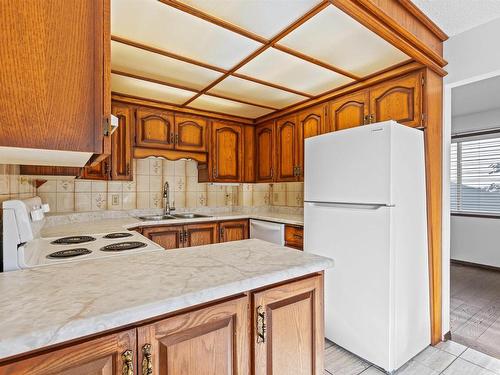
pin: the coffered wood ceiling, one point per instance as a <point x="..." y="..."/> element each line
<point x="241" y="57"/>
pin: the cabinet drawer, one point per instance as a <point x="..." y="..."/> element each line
<point x="294" y="237"/>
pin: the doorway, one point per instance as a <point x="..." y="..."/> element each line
<point x="471" y="200"/>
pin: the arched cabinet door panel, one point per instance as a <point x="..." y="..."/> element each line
<point x="399" y="100"/>
<point x="264" y="135"/>
<point x="227" y="152"/>
<point x="190" y="133"/>
<point x="312" y="122"/>
<point x="349" y="111"/>
<point x="287" y="149"/>
<point x="121" y="144"/>
<point x="155" y="129"/>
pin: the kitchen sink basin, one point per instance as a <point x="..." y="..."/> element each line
<point x="189" y="215"/>
<point x="157" y="217"/>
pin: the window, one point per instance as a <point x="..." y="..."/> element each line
<point x="475" y="175"/>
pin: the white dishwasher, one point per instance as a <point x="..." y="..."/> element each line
<point x="268" y="231"/>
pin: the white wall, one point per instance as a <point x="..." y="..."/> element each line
<point x="476" y="121"/>
<point x="471" y="57"/>
<point x="475" y="240"/>
<point x="473" y="52"/>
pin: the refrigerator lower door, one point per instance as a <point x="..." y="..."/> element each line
<point x="358" y="287"/>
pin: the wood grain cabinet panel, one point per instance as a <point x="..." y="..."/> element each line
<point x="287" y="149"/>
<point x="264" y="140"/>
<point x="312" y="122"/>
<point x="211" y="341"/>
<point x="108" y="355"/>
<point x="349" y="111"/>
<point x="399" y="100"/>
<point x="190" y="133"/>
<point x="227" y="152"/>
<point x="233" y="230"/>
<point x="121" y="144"/>
<point x="55" y="74"/>
<point x="293" y="341"/>
<point x="294" y="237"/>
<point x="168" y="237"/>
<point x="200" y="234"/>
<point x="155" y="129"/>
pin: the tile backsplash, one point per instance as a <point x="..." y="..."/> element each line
<point x="66" y="194"/>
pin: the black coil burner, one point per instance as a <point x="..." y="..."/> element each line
<point x="121" y="246"/>
<point x="68" y="253"/>
<point x="73" y="240"/>
<point x="117" y="235"/>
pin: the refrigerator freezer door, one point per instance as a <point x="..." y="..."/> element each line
<point x="357" y="289"/>
<point x="351" y="165"/>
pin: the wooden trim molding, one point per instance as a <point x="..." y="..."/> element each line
<point x="144" y="152"/>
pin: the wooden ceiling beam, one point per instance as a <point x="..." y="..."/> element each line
<point x="315" y="10"/>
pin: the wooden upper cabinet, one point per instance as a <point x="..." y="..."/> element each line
<point x="200" y="234"/>
<point x="293" y="339"/>
<point x="264" y="147"/>
<point x="213" y="340"/>
<point x="312" y="122"/>
<point x="190" y="133"/>
<point x="121" y="144"/>
<point x="399" y="100"/>
<point x="227" y="152"/>
<point x="168" y="237"/>
<point x="55" y="74"/>
<point x="349" y="111"/>
<point x="233" y="230"/>
<point x="109" y="355"/>
<point x="154" y="129"/>
<point x="98" y="172"/>
<point x="287" y="164"/>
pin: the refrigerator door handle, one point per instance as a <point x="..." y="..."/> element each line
<point x="362" y="206"/>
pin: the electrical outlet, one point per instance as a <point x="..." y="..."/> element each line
<point x="115" y="199"/>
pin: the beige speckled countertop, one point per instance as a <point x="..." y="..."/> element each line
<point x="128" y="221"/>
<point x="50" y="305"/>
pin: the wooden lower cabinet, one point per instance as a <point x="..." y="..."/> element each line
<point x="211" y="341"/>
<point x="167" y="236"/>
<point x="284" y="332"/>
<point x="234" y="230"/>
<point x="293" y="341"/>
<point x="109" y="355"/>
<point x="200" y="234"/>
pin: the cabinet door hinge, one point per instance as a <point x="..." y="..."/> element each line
<point x="261" y="324"/>
<point x="423" y="80"/>
<point x="106" y="124"/>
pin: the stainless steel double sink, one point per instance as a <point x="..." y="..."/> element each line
<point x="186" y="215"/>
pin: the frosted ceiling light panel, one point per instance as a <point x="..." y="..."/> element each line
<point x="158" y="25"/>
<point x="152" y="65"/>
<point x="210" y="103"/>
<point x="265" y="18"/>
<point x="255" y="93"/>
<point x="289" y="71"/>
<point x="149" y="90"/>
<point x="341" y="41"/>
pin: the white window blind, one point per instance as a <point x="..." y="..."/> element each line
<point x="475" y="175"/>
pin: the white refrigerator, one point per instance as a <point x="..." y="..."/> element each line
<point x="365" y="207"/>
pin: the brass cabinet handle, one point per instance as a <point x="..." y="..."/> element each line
<point x="261" y="325"/>
<point x="147" y="363"/>
<point x="215" y="171"/>
<point x="171" y="137"/>
<point x="185" y="236"/>
<point x="177" y="139"/>
<point x="127" y="172"/>
<point x="221" y="233"/>
<point x="181" y="237"/>
<point x="272" y="172"/>
<point x="128" y="365"/>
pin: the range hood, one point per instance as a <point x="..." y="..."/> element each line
<point x="56" y="158"/>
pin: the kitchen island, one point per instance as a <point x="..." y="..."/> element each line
<point x="200" y="308"/>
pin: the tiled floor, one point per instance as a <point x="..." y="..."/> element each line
<point x="475" y="308"/>
<point x="448" y="358"/>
